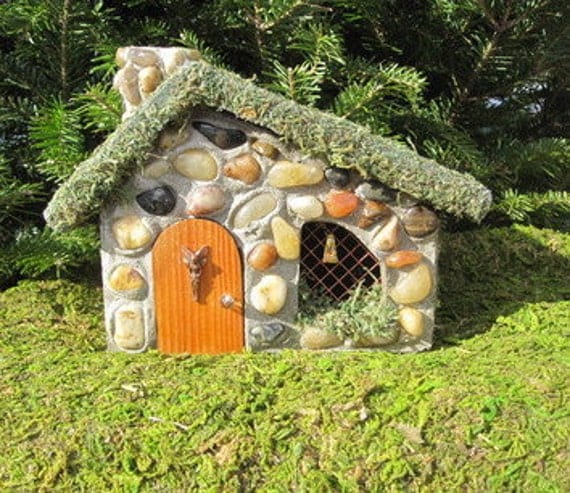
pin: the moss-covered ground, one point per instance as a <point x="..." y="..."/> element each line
<point x="486" y="410"/>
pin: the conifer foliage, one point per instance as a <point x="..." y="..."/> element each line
<point x="479" y="85"/>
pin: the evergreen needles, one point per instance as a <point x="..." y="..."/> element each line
<point x="479" y="86"/>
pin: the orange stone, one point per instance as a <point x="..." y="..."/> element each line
<point x="262" y="256"/>
<point x="403" y="258"/>
<point x="340" y="203"/>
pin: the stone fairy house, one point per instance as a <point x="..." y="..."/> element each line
<point x="218" y="199"/>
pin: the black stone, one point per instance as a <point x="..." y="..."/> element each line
<point x="337" y="177"/>
<point x="224" y="138"/>
<point x="158" y="201"/>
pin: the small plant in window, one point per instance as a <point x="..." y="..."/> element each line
<point x="367" y="317"/>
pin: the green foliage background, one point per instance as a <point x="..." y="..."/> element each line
<point x="480" y="85"/>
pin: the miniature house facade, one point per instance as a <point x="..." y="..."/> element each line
<point x="218" y="201"/>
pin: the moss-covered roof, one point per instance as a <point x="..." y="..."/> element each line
<point x="338" y="142"/>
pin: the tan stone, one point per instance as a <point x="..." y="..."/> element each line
<point x="156" y="169"/>
<point x="287" y="239"/>
<point x="413" y="286"/>
<point x="269" y="294"/>
<point x="197" y="164"/>
<point x="372" y="341"/>
<point x="412" y="321"/>
<point x="389" y="236"/>
<point x="305" y="206"/>
<point x="205" y="200"/>
<point x="126" y="81"/>
<point x="121" y="57"/>
<point x="149" y="79"/>
<point x="126" y="278"/>
<point x="254" y="209"/>
<point x="172" y="137"/>
<point x="129" y="327"/>
<point x="286" y="174"/>
<point x="314" y="338"/>
<point x="142" y="57"/>
<point x="173" y="58"/>
<point x="131" y="233"/>
<point x="265" y="149"/>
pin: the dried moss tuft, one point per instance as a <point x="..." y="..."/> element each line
<point x="336" y="141"/>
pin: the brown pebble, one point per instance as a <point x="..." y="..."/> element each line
<point x="372" y="212"/>
<point x="244" y="168"/>
<point x="265" y="149"/>
<point x="419" y="221"/>
<point x="149" y="79"/>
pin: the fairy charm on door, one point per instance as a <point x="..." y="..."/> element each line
<point x="195" y="261"/>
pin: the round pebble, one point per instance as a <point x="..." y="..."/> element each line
<point x="206" y="200"/>
<point x="197" y="164"/>
<point x="262" y="256"/>
<point x="419" y="221"/>
<point x="340" y="203"/>
<point x="131" y="233"/>
<point x="158" y="201"/>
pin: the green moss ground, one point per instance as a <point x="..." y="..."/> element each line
<point x="486" y="410"/>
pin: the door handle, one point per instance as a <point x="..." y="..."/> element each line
<point x="228" y="301"/>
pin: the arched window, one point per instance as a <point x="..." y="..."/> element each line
<point x="356" y="264"/>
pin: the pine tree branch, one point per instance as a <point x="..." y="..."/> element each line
<point x="371" y="95"/>
<point x="95" y="97"/>
<point x="488" y="13"/>
<point x="64" y="23"/>
<point x="486" y="54"/>
<point x="270" y="25"/>
<point x="258" y="31"/>
<point x="500" y="27"/>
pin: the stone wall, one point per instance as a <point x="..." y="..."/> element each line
<point x="218" y="167"/>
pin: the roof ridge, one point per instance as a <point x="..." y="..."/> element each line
<point x="337" y="141"/>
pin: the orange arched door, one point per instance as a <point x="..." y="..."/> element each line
<point x="198" y="289"/>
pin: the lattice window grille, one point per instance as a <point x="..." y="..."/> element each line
<point x="356" y="263"/>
